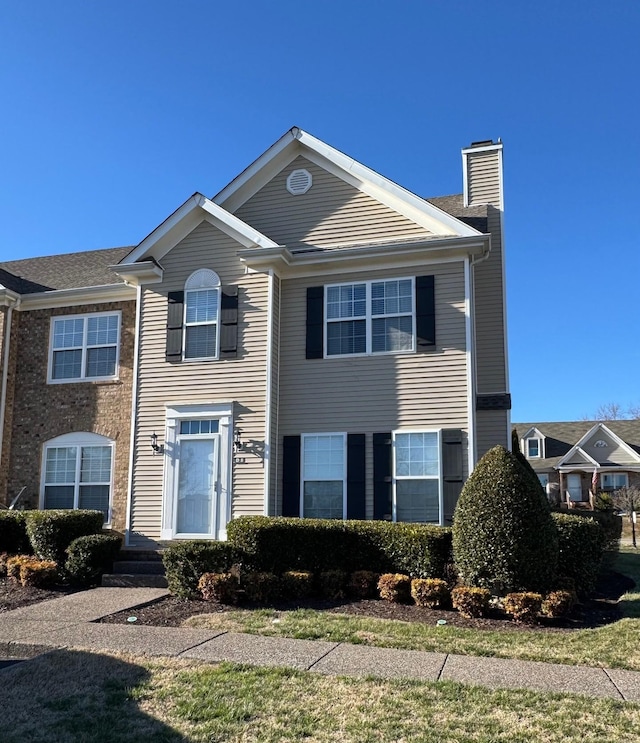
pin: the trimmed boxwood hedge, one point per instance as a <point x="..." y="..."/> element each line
<point x="581" y="545"/>
<point x="13" y="533"/>
<point x="89" y="557"/>
<point x="276" y="544"/>
<point x="52" y="531"/>
<point x="186" y="562"/>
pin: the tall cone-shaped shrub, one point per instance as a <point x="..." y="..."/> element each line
<point x="504" y="537"/>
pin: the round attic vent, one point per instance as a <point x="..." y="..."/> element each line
<point x="299" y="182"/>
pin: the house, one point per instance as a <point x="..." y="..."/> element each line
<point x="575" y="461"/>
<point x="314" y="341"/>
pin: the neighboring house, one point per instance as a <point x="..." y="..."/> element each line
<point x="575" y="461"/>
<point x="313" y="341"/>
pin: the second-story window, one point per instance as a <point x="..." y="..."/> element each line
<point x="201" y="310"/>
<point x="370" y="317"/>
<point x="84" y="347"/>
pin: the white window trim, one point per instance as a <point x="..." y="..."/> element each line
<point x="175" y="413"/>
<point x="85" y="316"/>
<point x="218" y="288"/>
<point x="539" y="454"/>
<point x="617" y="474"/>
<point x="344" y="469"/>
<point x="439" y="476"/>
<point x="368" y="318"/>
<point x="78" y="440"/>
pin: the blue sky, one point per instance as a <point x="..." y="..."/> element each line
<point x="114" y="113"/>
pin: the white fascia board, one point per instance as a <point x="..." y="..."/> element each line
<point x="143" y="272"/>
<point x="576" y="450"/>
<point x="76" y="297"/>
<point x="297" y="142"/>
<point x="236" y="229"/>
<point x="290" y="265"/>
<point x="8" y="298"/>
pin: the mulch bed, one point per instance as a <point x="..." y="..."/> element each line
<point x="599" y="610"/>
<point x="15" y="596"/>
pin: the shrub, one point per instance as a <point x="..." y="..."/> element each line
<point x="581" y="542"/>
<point x="221" y="587"/>
<point x="333" y="584"/>
<point x="13" y="532"/>
<point x="89" y="557"/>
<point x="297" y="584"/>
<point x="4" y="556"/>
<point x="261" y="588"/>
<point x="471" y="601"/>
<point x="395" y="587"/>
<point x="503" y="534"/>
<point x="523" y="607"/>
<point x="51" y="532"/>
<point x="559" y="604"/>
<point x="185" y="562"/>
<point x="420" y="550"/>
<point x="30" y="571"/>
<point x="363" y="584"/>
<point x="431" y="592"/>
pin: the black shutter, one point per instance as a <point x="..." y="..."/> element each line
<point x="355" y="476"/>
<point x="425" y="313"/>
<point x="229" y="322"/>
<point x="382" y="508"/>
<point x="175" y="318"/>
<point x="291" y="476"/>
<point x="315" y="322"/>
<point x="451" y="469"/>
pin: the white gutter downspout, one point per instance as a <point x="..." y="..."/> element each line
<point x="134" y="408"/>
<point x="5" y="372"/>
<point x="268" y="397"/>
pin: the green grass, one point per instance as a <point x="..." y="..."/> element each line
<point x="70" y="697"/>
<point x="614" y="646"/>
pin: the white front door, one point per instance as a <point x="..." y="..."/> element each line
<point x="198" y="484"/>
<point x="574" y="486"/>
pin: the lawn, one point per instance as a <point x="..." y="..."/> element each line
<point x="613" y="646"/>
<point x="71" y="697"/>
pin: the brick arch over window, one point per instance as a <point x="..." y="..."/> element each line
<point x="77" y="472"/>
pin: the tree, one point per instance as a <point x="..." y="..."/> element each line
<point x="504" y="537"/>
<point x="614" y="411"/>
<point x="628" y="500"/>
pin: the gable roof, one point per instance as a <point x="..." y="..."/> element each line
<point x="562" y="437"/>
<point x="298" y="142"/>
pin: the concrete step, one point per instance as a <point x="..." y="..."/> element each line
<point x="133" y="580"/>
<point x="138" y="567"/>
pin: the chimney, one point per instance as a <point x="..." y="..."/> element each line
<point x="482" y="174"/>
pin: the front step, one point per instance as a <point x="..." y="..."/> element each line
<point x="136" y="570"/>
<point x="133" y="580"/>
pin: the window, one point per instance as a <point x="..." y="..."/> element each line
<point x="323" y="476"/>
<point x="533" y="448"/>
<point x="614" y="480"/>
<point x="201" y="310"/>
<point x="417" y="476"/>
<point x="544" y="480"/>
<point x="370" y="317"/>
<point x="84" y="347"/>
<point x="78" y="472"/>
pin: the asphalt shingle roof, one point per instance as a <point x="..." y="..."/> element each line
<point x="474" y="216"/>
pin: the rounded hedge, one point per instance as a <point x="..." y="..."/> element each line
<point x="504" y="538"/>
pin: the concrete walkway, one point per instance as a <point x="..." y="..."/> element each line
<point x="68" y="622"/>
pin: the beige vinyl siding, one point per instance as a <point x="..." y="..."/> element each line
<point x="483" y="177"/>
<point x="491" y="430"/>
<point x="613" y="452"/>
<point x="331" y="213"/>
<point x="241" y="380"/>
<point x="379" y="393"/>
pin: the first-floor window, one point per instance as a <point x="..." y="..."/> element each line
<point x="614" y="480"/>
<point x="544" y="479"/>
<point x="417" y="476"/>
<point x="323" y="476"/>
<point x="78" y="473"/>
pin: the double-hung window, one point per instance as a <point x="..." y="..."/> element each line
<point x="324" y="475"/>
<point x="370" y="317"/>
<point x="78" y="472"/>
<point x="614" y="480"/>
<point x="84" y="347"/>
<point x="533" y="449"/>
<point x="201" y="311"/>
<point x="417" y="493"/>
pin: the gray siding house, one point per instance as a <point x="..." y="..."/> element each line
<point x="314" y="341"/>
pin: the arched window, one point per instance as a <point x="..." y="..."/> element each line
<point x="77" y="472"/>
<point x="201" y="315"/>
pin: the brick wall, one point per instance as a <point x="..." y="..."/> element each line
<point x="43" y="411"/>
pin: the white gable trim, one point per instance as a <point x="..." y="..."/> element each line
<point x="297" y="142"/>
<point x="582" y="453"/>
<point x="184" y="220"/>
<point x="588" y="435"/>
